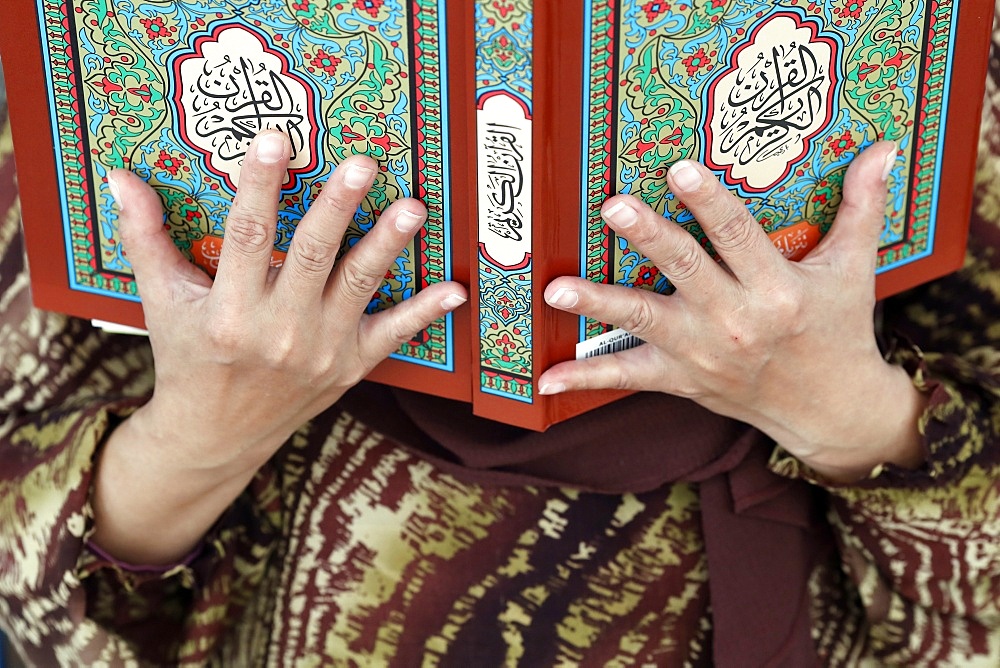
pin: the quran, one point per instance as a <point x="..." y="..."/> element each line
<point x="512" y="121"/>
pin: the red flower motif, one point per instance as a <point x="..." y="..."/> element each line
<point x="696" y="61"/>
<point x="142" y="92"/>
<point x="641" y="149"/>
<point x="506" y="342"/>
<point x="842" y="144"/>
<point x="717" y="4"/>
<point x="155" y="28"/>
<point x="370" y="6"/>
<point x="108" y="86"/>
<point x="675" y="137"/>
<point x="851" y="9"/>
<point x="504" y="8"/>
<point x="647" y="276"/>
<point x="325" y="62"/>
<point x="169" y="163"/>
<point x="654" y="9"/>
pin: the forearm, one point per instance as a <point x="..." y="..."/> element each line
<point x="151" y="508"/>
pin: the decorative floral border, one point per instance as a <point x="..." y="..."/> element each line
<point x="504" y="38"/>
<point x="89" y="89"/>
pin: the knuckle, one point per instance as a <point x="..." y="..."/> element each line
<point x="786" y="304"/>
<point x="356" y="283"/>
<point x="281" y="349"/>
<point x="736" y="230"/>
<point x="742" y="338"/>
<point x="355" y="375"/>
<point x="340" y="200"/>
<point x="247" y="231"/>
<point x="346" y="370"/>
<point x="687" y="261"/>
<point x="127" y="232"/>
<point x="313" y="256"/>
<point x="398" y="331"/>
<point x="640" y="318"/>
<point x="647" y="235"/>
<point x="225" y="337"/>
<point x="743" y="329"/>
<point x="317" y="369"/>
<point x="772" y="317"/>
<point x="688" y="390"/>
<point x="620" y="380"/>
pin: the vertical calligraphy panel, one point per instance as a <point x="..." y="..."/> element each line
<point x="819" y="81"/>
<point x="175" y="90"/>
<point x="503" y="92"/>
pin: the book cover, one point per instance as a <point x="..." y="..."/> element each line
<point x="513" y="121"/>
<point x="175" y="91"/>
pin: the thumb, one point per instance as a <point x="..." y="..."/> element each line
<point x="854" y="238"/>
<point x="156" y="262"/>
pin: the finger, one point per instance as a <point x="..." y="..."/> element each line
<point x="639" y="312"/>
<point x="628" y="370"/>
<point x="317" y="239"/>
<point x="853" y="240"/>
<point x="253" y="218"/>
<point x="737" y="237"/>
<point x="382" y="334"/>
<point x="670" y="247"/>
<point x="360" y="272"/>
<point x="156" y="262"/>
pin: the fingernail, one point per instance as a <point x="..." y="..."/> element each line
<point x="552" y="388"/>
<point x="116" y="193"/>
<point x="358" y="177"/>
<point x="409" y="222"/>
<point x="890" y="163"/>
<point x="564" y="298"/>
<point x="685" y="176"/>
<point x="270" y="148"/>
<point x="621" y="214"/>
<point x="452" y="302"/>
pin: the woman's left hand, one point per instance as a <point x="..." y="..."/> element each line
<point x="788" y="347"/>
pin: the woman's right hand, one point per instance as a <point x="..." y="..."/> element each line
<point x="245" y="360"/>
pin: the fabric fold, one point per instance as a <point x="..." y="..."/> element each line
<point x="761" y="530"/>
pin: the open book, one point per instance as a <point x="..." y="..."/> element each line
<point x="513" y="121"/>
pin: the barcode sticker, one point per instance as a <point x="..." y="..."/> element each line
<point x="614" y="341"/>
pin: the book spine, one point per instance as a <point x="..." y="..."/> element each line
<point x="505" y="268"/>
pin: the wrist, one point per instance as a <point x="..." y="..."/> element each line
<point x="875" y="423"/>
<point x="199" y="446"/>
<point x="151" y="507"/>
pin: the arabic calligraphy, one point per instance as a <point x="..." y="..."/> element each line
<point x="775" y="100"/>
<point x="796" y="241"/>
<point x="771" y="102"/>
<point x="505" y="180"/>
<point x="233" y="90"/>
<point x="236" y="100"/>
<point x="207" y="252"/>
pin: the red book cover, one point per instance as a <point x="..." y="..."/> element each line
<point x="513" y="121"/>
